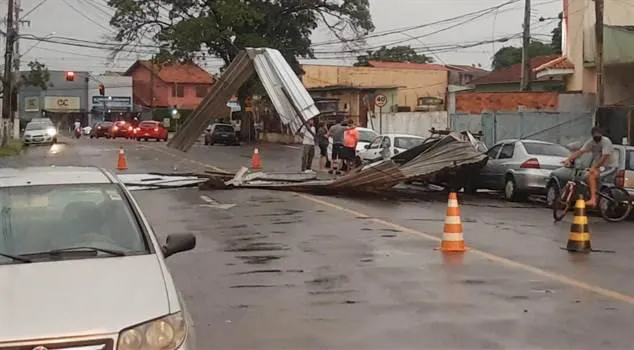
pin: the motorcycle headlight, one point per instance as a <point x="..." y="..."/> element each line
<point x="51" y="132"/>
<point x="165" y="333"/>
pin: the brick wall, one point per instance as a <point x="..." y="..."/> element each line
<point x="478" y="102"/>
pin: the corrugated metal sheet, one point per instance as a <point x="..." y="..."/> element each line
<point x="285" y="90"/>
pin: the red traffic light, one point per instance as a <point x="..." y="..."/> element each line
<point x="102" y="90"/>
<point x="70" y="76"/>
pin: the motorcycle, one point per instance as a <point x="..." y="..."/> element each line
<point x="78" y="132"/>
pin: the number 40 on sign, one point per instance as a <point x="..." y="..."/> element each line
<point x="380" y="100"/>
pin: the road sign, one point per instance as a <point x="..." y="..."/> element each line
<point x="380" y="100"/>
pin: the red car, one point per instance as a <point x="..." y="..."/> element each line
<point x="121" y="128"/>
<point x="150" y="129"/>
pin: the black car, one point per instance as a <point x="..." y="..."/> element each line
<point x="101" y="129"/>
<point x="221" y="133"/>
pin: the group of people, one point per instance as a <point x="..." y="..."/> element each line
<point x="345" y="137"/>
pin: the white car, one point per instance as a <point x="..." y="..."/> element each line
<point x="388" y="145"/>
<point x="39" y="133"/>
<point x="365" y="137"/>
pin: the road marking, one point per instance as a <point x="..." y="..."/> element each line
<point x="608" y="293"/>
<point x="293" y="147"/>
<point x="212" y="203"/>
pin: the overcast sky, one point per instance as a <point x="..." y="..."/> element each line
<point x="88" y="20"/>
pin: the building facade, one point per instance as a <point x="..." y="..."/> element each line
<point x="63" y="101"/>
<point x="117" y="100"/>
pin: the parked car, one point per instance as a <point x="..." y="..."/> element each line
<point x="79" y="232"/>
<point x="388" y="145"/>
<point x="101" y="129"/>
<point x="39" y="133"/>
<point x="121" y="128"/>
<point x="620" y="172"/>
<point x="519" y="168"/>
<point x="150" y="129"/>
<point x="221" y="133"/>
<point x="365" y="137"/>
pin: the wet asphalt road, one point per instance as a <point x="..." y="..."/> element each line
<point x="285" y="270"/>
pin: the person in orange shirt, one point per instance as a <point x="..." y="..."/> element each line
<point x="350" y="140"/>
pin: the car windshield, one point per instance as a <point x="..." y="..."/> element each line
<point x="36" y="219"/>
<point x="407" y="142"/>
<point x="36" y="126"/>
<point x="546" y="149"/>
<point x="367" y="135"/>
<point x="223" y="128"/>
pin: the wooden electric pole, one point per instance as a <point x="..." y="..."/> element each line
<point x="526" y="41"/>
<point x="7" y="87"/>
<point x="598" y="33"/>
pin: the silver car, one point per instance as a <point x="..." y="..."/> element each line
<point x="39" y="133"/>
<point x="519" y="167"/>
<point x="81" y="267"/>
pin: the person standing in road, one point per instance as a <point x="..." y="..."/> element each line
<point x="308" y="147"/>
<point x="350" y="140"/>
<point x="322" y="142"/>
<point x="336" y="132"/>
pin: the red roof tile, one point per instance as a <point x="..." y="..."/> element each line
<point x="558" y="63"/>
<point x="182" y="73"/>
<point x="513" y="73"/>
<point x="406" y="65"/>
<point x="466" y="68"/>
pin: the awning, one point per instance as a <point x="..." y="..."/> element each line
<point x="559" y="67"/>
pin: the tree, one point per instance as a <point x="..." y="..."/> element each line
<point x="510" y="55"/>
<point x="223" y="28"/>
<point x="556" y="35"/>
<point x="393" y="54"/>
<point x="37" y="75"/>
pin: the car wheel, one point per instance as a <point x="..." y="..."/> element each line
<point x="511" y="192"/>
<point x="146" y="139"/>
<point x="54" y="140"/>
<point x="92" y="136"/>
<point x="471" y="187"/>
<point x="165" y="139"/>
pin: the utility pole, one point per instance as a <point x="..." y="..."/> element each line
<point x="598" y="33"/>
<point x="7" y="88"/>
<point x="526" y="41"/>
<point x="152" y="88"/>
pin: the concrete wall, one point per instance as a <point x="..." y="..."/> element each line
<point x="415" y="83"/>
<point x="478" y="102"/>
<point x="558" y="127"/>
<point x="411" y="123"/>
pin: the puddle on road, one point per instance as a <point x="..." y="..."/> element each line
<point x="262" y="286"/>
<point x="258" y="259"/>
<point x="266" y="199"/>
<point x="276" y="271"/>
<point x="282" y="212"/>
<point x="256" y="247"/>
<point x="328" y="282"/>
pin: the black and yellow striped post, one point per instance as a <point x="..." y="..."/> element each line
<point x="579" y="237"/>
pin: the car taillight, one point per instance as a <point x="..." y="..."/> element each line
<point x="99" y="128"/>
<point x="115" y="128"/>
<point x="530" y="164"/>
<point x="619" y="180"/>
<point x="155" y="129"/>
<point x="129" y="128"/>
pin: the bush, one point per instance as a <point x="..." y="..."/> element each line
<point x="13" y="148"/>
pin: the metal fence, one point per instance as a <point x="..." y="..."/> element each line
<point x="557" y="127"/>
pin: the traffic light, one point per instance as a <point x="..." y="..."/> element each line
<point x="70" y="76"/>
<point x="102" y="90"/>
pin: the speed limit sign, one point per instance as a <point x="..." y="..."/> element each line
<point x="380" y="100"/>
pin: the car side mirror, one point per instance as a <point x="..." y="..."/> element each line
<point x="178" y="242"/>
<point x="367" y="146"/>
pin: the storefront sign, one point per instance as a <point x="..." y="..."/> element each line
<point x="61" y="103"/>
<point x="32" y="104"/>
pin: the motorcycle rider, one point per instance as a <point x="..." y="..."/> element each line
<point x="77" y="129"/>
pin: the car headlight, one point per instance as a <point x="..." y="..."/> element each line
<point x="51" y="131"/>
<point x="165" y="333"/>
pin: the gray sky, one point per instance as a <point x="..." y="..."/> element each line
<point x="88" y="20"/>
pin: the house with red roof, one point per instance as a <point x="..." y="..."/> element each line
<point x="169" y="85"/>
<point x="508" y="79"/>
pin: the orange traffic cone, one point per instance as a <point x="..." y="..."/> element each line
<point x="256" y="162"/>
<point x="452" y="238"/>
<point x="122" y="163"/>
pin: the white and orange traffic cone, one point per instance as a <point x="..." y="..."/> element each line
<point x="256" y="162"/>
<point x="452" y="236"/>
<point x="122" y="163"/>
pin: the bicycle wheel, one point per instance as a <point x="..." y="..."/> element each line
<point x="615" y="204"/>
<point x="561" y="204"/>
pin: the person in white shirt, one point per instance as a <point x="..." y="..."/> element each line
<point x="308" y="146"/>
<point x="77" y="124"/>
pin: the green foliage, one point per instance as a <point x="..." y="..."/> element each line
<point x="37" y="75"/>
<point x="393" y="54"/>
<point x="12" y="148"/>
<point x="223" y="28"/>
